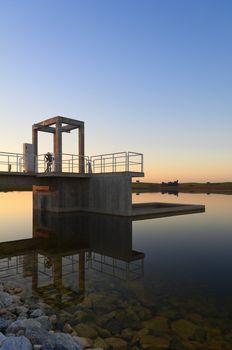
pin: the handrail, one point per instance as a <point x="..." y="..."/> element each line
<point x="11" y="162"/>
<point x="74" y="163"/>
<point x="111" y="162"/>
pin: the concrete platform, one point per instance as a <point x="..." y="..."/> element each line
<point x="88" y="175"/>
<point x="62" y="175"/>
<point x="144" y="211"/>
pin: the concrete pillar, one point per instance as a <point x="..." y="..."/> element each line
<point x="35" y="143"/>
<point x="81" y="149"/>
<point x="28" y="158"/>
<point x="58" y="147"/>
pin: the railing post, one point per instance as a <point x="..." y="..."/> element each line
<point x="127" y="162"/>
<point x="142" y="163"/>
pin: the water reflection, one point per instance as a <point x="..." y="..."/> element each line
<point x="65" y="245"/>
<point x="15" y="215"/>
<point x="93" y="265"/>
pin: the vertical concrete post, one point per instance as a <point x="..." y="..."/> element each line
<point x="81" y="149"/>
<point x="28" y="158"/>
<point x="35" y="143"/>
<point x="58" y="147"/>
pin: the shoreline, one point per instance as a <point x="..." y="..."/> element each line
<point x="190" y="187"/>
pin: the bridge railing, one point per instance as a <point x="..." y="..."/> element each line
<point x="11" y="162"/>
<point x="117" y="162"/>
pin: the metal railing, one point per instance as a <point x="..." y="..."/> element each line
<point x="11" y="162"/>
<point x="104" y="163"/>
<point x="117" y="162"/>
<point x="65" y="163"/>
<point x="72" y="163"/>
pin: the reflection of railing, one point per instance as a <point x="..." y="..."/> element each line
<point x="125" y="270"/>
<point x="11" y="162"/>
<point x="10" y="267"/>
<point x="117" y="162"/>
<point x="122" y="269"/>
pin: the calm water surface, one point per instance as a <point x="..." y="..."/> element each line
<point x="165" y="280"/>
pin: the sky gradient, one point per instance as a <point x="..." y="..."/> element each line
<point x="151" y="76"/>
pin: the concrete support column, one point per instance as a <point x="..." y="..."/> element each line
<point x="35" y="143"/>
<point x="81" y="149"/>
<point x="58" y="147"/>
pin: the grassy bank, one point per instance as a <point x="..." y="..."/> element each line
<point x="191" y="187"/>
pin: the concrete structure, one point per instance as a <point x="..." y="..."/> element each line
<point x="56" y="126"/>
<point x="105" y="194"/>
<point x="105" y="189"/>
<point x="98" y="193"/>
<point x="28" y="155"/>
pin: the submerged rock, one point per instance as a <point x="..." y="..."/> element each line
<point x="83" y="330"/>
<point x="183" y="328"/>
<point x="113" y="326"/>
<point x="116" y="343"/>
<point x="157" y="324"/>
<point x="84" y="342"/>
<point x="100" y="343"/>
<point x="149" y="341"/>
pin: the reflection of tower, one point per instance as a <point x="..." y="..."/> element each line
<point x="64" y="246"/>
<point x="106" y="239"/>
<point x="48" y="280"/>
<point x="88" y="241"/>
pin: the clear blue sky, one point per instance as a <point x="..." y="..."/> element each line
<point x="152" y="76"/>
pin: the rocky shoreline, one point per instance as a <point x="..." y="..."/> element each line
<point x="32" y="325"/>
<point x="107" y="320"/>
<point x="28" y="324"/>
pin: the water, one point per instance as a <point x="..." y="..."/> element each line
<point x="166" y="281"/>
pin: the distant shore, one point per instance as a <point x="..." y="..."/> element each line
<point x="188" y="187"/>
